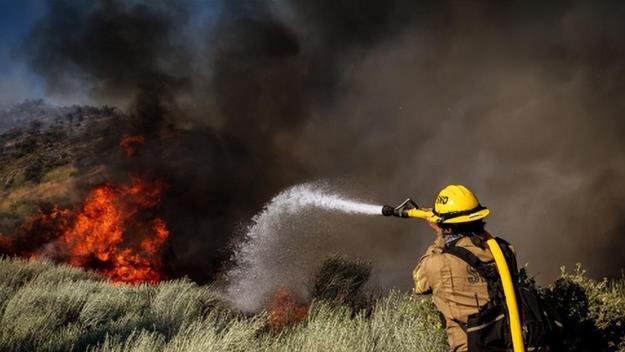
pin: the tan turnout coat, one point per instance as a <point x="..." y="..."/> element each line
<point x="457" y="289"/>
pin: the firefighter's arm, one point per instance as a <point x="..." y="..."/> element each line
<point x="422" y="285"/>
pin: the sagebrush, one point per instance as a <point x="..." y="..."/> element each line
<point x="47" y="307"/>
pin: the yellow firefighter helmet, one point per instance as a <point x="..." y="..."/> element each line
<point x="457" y="204"/>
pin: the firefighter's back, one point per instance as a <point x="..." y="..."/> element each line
<point x="457" y="289"/>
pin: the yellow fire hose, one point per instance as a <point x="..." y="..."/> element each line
<point x="510" y="294"/>
<point x="500" y="261"/>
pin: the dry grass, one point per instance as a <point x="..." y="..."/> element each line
<point x="46" y="307"/>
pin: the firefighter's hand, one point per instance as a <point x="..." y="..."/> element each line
<point x="438" y="241"/>
<point x="435" y="227"/>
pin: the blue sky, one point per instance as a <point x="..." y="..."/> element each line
<point x="16" y="17"/>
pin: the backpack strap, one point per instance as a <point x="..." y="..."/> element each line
<point x="487" y="270"/>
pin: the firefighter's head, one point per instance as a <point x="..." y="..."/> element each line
<point x="459" y="211"/>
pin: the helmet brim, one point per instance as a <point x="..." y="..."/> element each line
<point x="480" y="214"/>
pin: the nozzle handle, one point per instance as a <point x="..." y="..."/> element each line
<point x="401" y="210"/>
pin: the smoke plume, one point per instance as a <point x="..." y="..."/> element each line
<point x="520" y="101"/>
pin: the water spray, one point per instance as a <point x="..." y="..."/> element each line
<point x="250" y="278"/>
<point x="253" y="257"/>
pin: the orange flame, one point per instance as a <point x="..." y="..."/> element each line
<point x="130" y="142"/>
<point x="106" y="231"/>
<point x="284" y="311"/>
<point x="114" y="232"/>
<point x="38" y="230"/>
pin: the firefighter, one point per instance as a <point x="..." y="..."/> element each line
<point x="457" y="288"/>
<point x="474" y="280"/>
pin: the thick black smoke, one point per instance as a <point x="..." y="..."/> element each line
<point x="522" y="101"/>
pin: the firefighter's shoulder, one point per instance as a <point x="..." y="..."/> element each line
<point x="432" y="250"/>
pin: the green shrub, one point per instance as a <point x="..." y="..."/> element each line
<point x="593" y="312"/>
<point x="47" y="307"/>
<point x="399" y="322"/>
<point x="340" y="281"/>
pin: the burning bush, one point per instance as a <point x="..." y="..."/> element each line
<point x="38" y="230"/>
<point x="284" y="310"/>
<point x="339" y="281"/>
<point x="130" y="142"/>
<point x="114" y="232"/>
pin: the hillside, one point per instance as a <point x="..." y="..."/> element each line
<point x="42" y="149"/>
<point x="46" y="307"/>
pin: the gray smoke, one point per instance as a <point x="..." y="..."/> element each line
<point x="520" y="101"/>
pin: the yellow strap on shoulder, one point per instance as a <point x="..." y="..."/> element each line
<point x="510" y="293"/>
